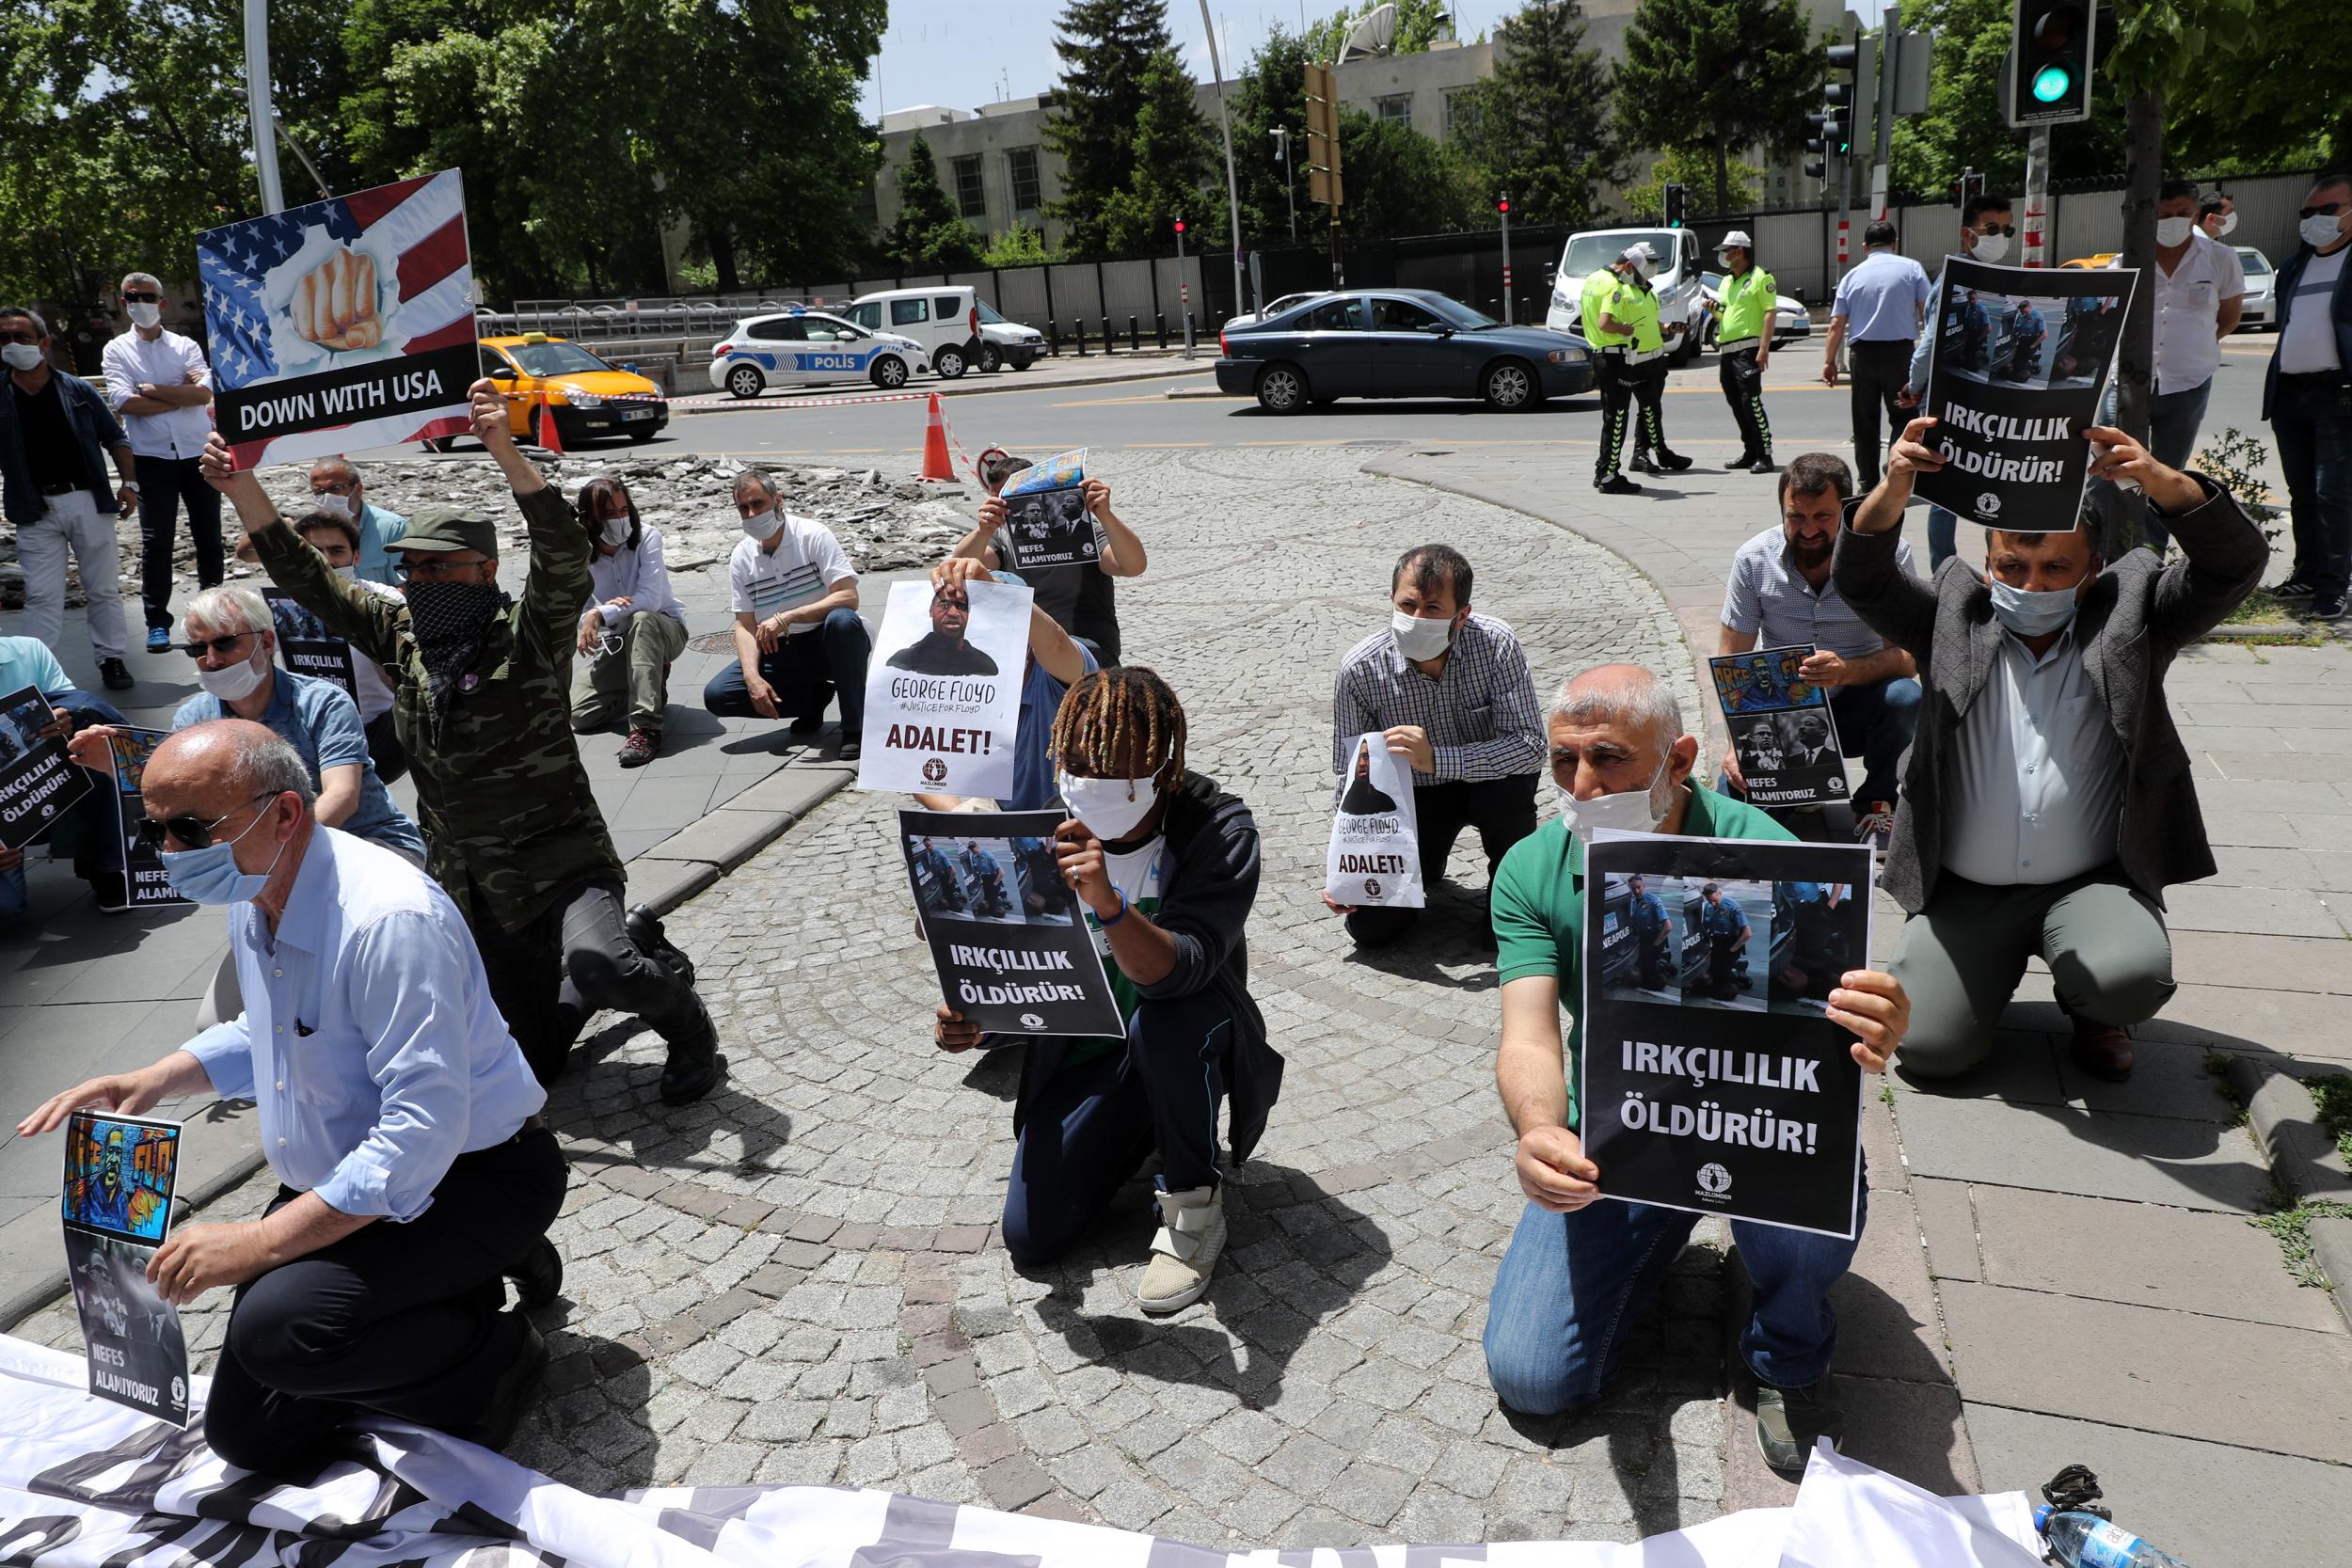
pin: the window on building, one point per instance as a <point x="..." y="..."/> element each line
<point x="1028" y="194"/>
<point x="1399" y="108"/>
<point x="1461" y="112"/>
<point x="971" y="194"/>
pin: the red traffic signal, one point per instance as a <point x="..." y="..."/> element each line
<point x="1503" y="204"/>
<point x="1180" y="226"/>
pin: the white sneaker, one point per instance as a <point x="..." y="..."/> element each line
<point x="1875" y="827"/>
<point x="1184" y="1254"/>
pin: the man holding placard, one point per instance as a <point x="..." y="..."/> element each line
<point x="1078" y="597"/>
<point x="1449" y="692"/>
<point x="26" y="661"/>
<point x="2047" y="734"/>
<point x="1577" y="1268"/>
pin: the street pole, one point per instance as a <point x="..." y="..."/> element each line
<point x="1184" y="286"/>
<point x="1506" y="258"/>
<point x="1225" y="124"/>
<point x="1890" y="43"/>
<point x="1844" y="208"/>
<point x="1290" y="196"/>
<point x="258" y="105"/>
<point x="2037" y="223"/>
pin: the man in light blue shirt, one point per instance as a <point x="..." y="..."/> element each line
<point x="1880" y="306"/>
<point x="395" y="1107"/>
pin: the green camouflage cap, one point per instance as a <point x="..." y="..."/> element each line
<point x="440" y="529"/>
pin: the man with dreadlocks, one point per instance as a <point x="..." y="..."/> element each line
<point x="1164" y="865"/>
<point x="483" y="706"/>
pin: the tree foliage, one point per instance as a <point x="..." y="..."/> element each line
<point x="1419" y="23"/>
<point x="585" y="129"/>
<point x="1716" y="77"/>
<point x="930" y="234"/>
<point x="1399" y="182"/>
<point x="1271" y="93"/>
<point x="1695" y="171"/>
<point x="1169" y="167"/>
<point x="1107" y="47"/>
<point x="1540" y="124"/>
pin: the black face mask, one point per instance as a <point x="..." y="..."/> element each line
<point x="448" y="620"/>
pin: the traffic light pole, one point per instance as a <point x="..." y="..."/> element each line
<point x="1845" y="209"/>
<point x="2037" y="225"/>
<point x="1184" y="285"/>
<point x="1883" y="143"/>
<point x="1506" y="258"/>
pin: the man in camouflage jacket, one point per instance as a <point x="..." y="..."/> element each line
<point x="482" y="702"/>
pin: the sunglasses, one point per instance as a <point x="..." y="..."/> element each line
<point x="194" y="831"/>
<point x="404" y="570"/>
<point x="144" y="298"/>
<point x="2007" y="229"/>
<point x="219" y="647"/>
<point x="2325" y="210"/>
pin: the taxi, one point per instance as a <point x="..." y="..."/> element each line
<point x="551" y="378"/>
<point x="804" y="347"/>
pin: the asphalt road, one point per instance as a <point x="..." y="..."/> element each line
<point x="1142" y="415"/>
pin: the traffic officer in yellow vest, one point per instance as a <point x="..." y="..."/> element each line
<point x="1650" y="455"/>
<point x="1744" y="316"/>
<point x="1620" y="321"/>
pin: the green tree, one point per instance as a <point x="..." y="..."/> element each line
<point x="1966" y="125"/>
<point x="1018" y="246"/>
<point x="2280" y="104"/>
<point x="930" y="235"/>
<point x="1717" y="77"/>
<point x="1399" y="182"/>
<point x="1541" y="121"/>
<point x="1419" y="23"/>
<point x="1271" y="94"/>
<point x="1168" y="169"/>
<point x="1642" y="203"/>
<point x="1105" y="46"/>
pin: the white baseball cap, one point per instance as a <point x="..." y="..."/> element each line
<point x="1737" y="237"/>
<point x="1638" y="251"/>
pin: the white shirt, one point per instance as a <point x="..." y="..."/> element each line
<point x="2040" y="772"/>
<point x="640" y="576"/>
<point x="168" y="361"/>
<point x="807" y="564"/>
<point x="2307" y="344"/>
<point x="374" y="693"/>
<point x="2188" y="311"/>
<point x="369" y="1041"/>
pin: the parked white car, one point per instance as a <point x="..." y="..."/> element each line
<point x="1789" y="316"/>
<point x="958" y="329"/>
<point x="1676" y="281"/>
<point x="800" y="347"/>
<point x="2260" y="308"/>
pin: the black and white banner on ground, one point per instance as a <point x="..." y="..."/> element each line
<point x="144" y="883"/>
<point x="1046" y="518"/>
<point x="309" y="648"/>
<point x="88" y="1486"/>
<point x="943" y="693"/>
<point x="1376" y="843"/>
<point x="341" y="323"/>
<point x="119" y="1174"/>
<point x="37" y="783"/>
<point x="1782" y="729"/>
<point x="2020" y="362"/>
<point x="1712" y="1077"/>
<point x="1012" y="953"/>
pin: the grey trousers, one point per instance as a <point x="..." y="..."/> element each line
<point x="633" y="677"/>
<point x="1961" y="959"/>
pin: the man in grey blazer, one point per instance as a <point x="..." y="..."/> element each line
<point x="2046" y="798"/>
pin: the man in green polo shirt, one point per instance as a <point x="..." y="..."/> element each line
<point x="1577" y="1269"/>
<point x="1745" y="313"/>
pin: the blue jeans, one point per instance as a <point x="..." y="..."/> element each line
<point x="2315" y="450"/>
<point x="1876" y="723"/>
<point x="1943" y="537"/>
<point x="1570" y="1285"/>
<point x="805" y="670"/>
<point x="2173" y="420"/>
<point x="89" y="833"/>
<point x="1091" y="1124"/>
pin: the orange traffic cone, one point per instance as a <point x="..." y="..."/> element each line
<point x="936" y="465"/>
<point x="550" y="434"/>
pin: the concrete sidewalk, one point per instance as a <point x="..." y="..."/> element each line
<point x="2058" y="1270"/>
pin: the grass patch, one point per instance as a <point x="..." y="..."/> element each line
<point x="2257" y="608"/>
<point x="2218" y="1068"/>
<point x="2291" y="1227"/>
<point x="2332" y="1093"/>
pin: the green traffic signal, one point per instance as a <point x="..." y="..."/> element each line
<point x="2051" y="83"/>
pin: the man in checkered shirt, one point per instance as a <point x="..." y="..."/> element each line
<point x="1449" y="691"/>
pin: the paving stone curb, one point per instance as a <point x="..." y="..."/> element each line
<point x="2331" y="1247"/>
<point x="677" y="868"/>
<point x="2285" y="1123"/>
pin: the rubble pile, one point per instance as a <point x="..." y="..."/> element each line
<point x="884" y="524"/>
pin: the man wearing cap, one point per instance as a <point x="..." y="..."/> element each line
<point x="1745" y="310"/>
<point x="1650" y="455"/>
<point x="1619" y="317"/>
<point x="483" y="708"/>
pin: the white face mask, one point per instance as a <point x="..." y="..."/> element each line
<point x="2317" y="230"/>
<point x="1421" y="638"/>
<point x="327" y="500"/>
<point x="1110" y="808"/>
<point x="616" y="532"/>
<point x="350" y="573"/>
<point x="1629" y="811"/>
<point x="2229" y="221"/>
<point x="1989" y="248"/>
<point x="145" y="315"/>
<point x="2174" y="232"/>
<point x="26" y="356"/>
<point x="759" y="525"/>
<point x="237" y="681"/>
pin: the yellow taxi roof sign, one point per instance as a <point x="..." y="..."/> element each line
<point x="534" y="337"/>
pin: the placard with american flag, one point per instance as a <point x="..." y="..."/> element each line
<point x="341" y="323"/>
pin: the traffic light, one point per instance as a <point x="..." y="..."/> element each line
<point x="1677" y="205"/>
<point x="1847" y="66"/>
<point x="1503" y="204"/>
<point x="1180" y="226"/>
<point x="1323" y="138"/>
<point x="2049" y="63"/>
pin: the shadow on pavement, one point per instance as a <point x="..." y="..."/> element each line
<point x="618" y="1102"/>
<point x="589" y="1428"/>
<point x="1450" y="946"/>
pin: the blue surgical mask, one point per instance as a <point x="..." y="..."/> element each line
<point x="2031" y="613"/>
<point x="210" y="875"/>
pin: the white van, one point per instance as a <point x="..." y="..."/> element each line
<point x="1676" y="281"/>
<point x="959" y="330"/>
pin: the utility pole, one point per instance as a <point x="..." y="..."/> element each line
<point x="1184" y="286"/>
<point x="1282" y="143"/>
<point x="1324" y="183"/>
<point x="257" y="105"/>
<point x="1890" y="44"/>
<point x="1503" y="205"/>
<point x="1225" y="125"/>
<point x="2035" y="243"/>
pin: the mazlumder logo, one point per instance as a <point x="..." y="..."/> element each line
<point x="1713" y="1180"/>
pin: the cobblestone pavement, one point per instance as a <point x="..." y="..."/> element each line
<point x="796" y="1280"/>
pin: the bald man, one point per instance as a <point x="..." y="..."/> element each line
<point x="1621" y="759"/>
<point x="400" y="1117"/>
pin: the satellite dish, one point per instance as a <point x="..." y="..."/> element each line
<point x="1374" y="34"/>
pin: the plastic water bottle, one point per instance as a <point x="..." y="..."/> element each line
<point x="2086" y="1541"/>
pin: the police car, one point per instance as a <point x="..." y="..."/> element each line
<point x="803" y="347"/>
